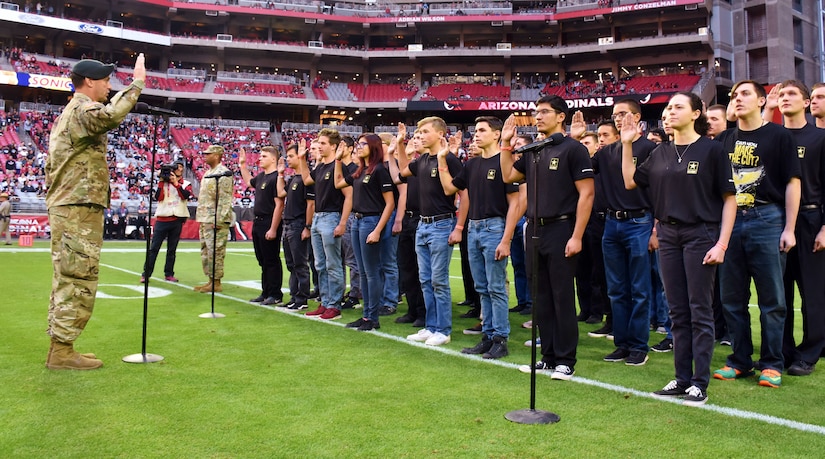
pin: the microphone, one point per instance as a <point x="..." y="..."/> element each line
<point x="554" y="139"/>
<point x="222" y="174"/>
<point x="143" y="107"/>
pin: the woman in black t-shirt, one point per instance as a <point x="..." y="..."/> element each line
<point x="372" y="205"/>
<point x="690" y="185"/>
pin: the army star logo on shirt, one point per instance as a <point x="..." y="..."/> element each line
<point x="294" y="186"/>
<point x="800" y="151"/>
<point x="491" y="174"/>
<point x="326" y="176"/>
<point x="554" y="164"/>
<point x="693" y="168"/>
<point x="434" y="172"/>
<point x="367" y="179"/>
<point x="263" y="186"/>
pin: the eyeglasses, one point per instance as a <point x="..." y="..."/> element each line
<point x="361" y="144"/>
<point x="543" y="112"/>
<point x="619" y="115"/>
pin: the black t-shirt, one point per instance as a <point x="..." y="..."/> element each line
<point x="690" y="191"/>
<point x="558" y="169"/>
<point x="327" y="197"/>
<point x="481" y="177"/>
<point x="432" y="199"/>
<point x="266" y="191"/>
<point x="368" y="189"/>
<point x="810" y="148"/>
<point x="607" y="165"/>
<point x="413" y="194"/>
<point x="764" y="160"/>
<point x="297" y="195"/>
<point x="395" y="193"/>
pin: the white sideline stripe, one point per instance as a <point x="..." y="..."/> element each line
<point x="733" y="412"/>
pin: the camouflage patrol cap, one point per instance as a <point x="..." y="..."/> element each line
<point x="217" y="149"/>
<point x="93" y="69"/>
<point x="4" y="195"/>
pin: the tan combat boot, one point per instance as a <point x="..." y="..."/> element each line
<point x="88" y="355"/>
<point x="207" y="287"/>
<point x="62" y="356"/>
<point x="218" y="287"/>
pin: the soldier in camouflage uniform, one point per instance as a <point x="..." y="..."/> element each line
<point x="77" y="177"/>
<point x="5" y="216"/>
<point x="206" y="217"/>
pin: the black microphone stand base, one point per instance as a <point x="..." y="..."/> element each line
<point x="142" y="358"/>
<point x="211" y="315"/>
<point x="531" y="416"/>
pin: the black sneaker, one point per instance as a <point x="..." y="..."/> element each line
<point x="350" y="303"/>
<point x="257" y="299"/>
<point x="473" y="330"/>
<point x="368" y="325"/>
<point x="356" y="323"/>
<point x="297" y="306"/>
<point x="695" y="397"/>
<point x="314" y="294"/>
<point x="518" y="308"/>
<point x="801" y="368"/>
<point x="666" y="345"/>
<point x="672" y="389"/>
<point x="271" y="301"/>
<point x="601" y="332"/>
<point x="582" y="317"/>
<point x="497" y="350"/>
<point x="289" y="305"/>
<point x="594" y="319"/>
<point x="419" y="323"/>
<point x="405" y="319"/>
<point x="480" y="348"/>
<point x="386" y="311"/>
<point x="541" y="365"/>
<point x="617" y="356"/>
<point x="636" y="358"/>
<point x="528" y="310"/>
<point x="474" y="313"/>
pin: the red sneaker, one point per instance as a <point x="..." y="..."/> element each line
<point x="331" y="314"/>
<point x="317" y="312"/>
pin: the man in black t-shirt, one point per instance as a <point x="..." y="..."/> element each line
<point x="266" y="228"/>
<point x="298" y="212"/>
<point x="806" y="261"/>
<point x="766" y="174"/>
<point x="493" y="213"/>
<point x="561" y="170"/>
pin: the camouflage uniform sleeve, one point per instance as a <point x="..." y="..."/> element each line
<point x="98" y="118"/>
<point x="226" y="185"/>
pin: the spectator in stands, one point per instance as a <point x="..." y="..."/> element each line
<point x="123" y="220"/>
<point x="170" y="216"/>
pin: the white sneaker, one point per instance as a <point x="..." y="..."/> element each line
<point x="529" y="342"/>
<point x="421" y="336"/>
<point x="562" y="372"/>
<point x="437" y="339"/>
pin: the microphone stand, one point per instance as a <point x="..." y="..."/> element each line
<point x="212" y="314"/>
<point x="143" y="357"/>
<point x="532" y="415"/>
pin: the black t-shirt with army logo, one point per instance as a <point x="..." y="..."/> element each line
<point x="327" y="197"/>
<point x="368" y="189"/>
<point x="764" y="160"/>
<point x="559" y="168"/>
<point x="690" y="191"/>
<point x="265" y="192"/>
<point x="810" y="148"/>
<point x="297" y="195"/>
<point x="432" y="199"/>
<point x="481" y="177"/>
<point x="607" y="165"/>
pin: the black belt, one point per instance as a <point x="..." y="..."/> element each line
<point x="600" y="215"/>
<point x="810" y="207"/>
<point x="436" y="218"/>
<point x="541" y="221"/>
<point x="359" y="215"/>
<point x="411" y="214"/>
<point x="626" y="214"/>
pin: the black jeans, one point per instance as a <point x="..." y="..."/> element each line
<point x="171" y="232"/>
<point x="408" y="267"/>
<point x="297" y="253"/>
<point x="470" y="293"/>
<point x="268" y="253"/>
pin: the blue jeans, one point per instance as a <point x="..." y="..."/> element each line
<point x="389" y="264"/>
<point x="754" y="251"/>
<point x="434" y="254"/>
<point x="489" y="274"/>
<point x="627" y="269"/>
<point x="368" y="257"/>
<point x="328" y="262"/>
<point x="659" y="314"/>
<point x="349" y="260"/>
<point x="519" y="260"/>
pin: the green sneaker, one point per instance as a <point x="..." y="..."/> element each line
<point x="727" y="373"/>
<point x="770" y="378"/>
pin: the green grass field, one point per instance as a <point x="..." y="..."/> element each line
<point x="269" y="383"/>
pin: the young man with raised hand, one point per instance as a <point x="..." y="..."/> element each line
<point x="493" y="213"/>
<point x="806" y="261"/>
<point x="332" y="209"/>
<point x="438" y="230"/>
<point x="559" y="201"/>
<point x="766" y="173"/>
<point x="299" y="209"/>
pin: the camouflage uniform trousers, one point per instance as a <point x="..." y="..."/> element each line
<point x="77" y="236"/>
<point x="4" y="228"/>
<point x="207" y="233"/>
